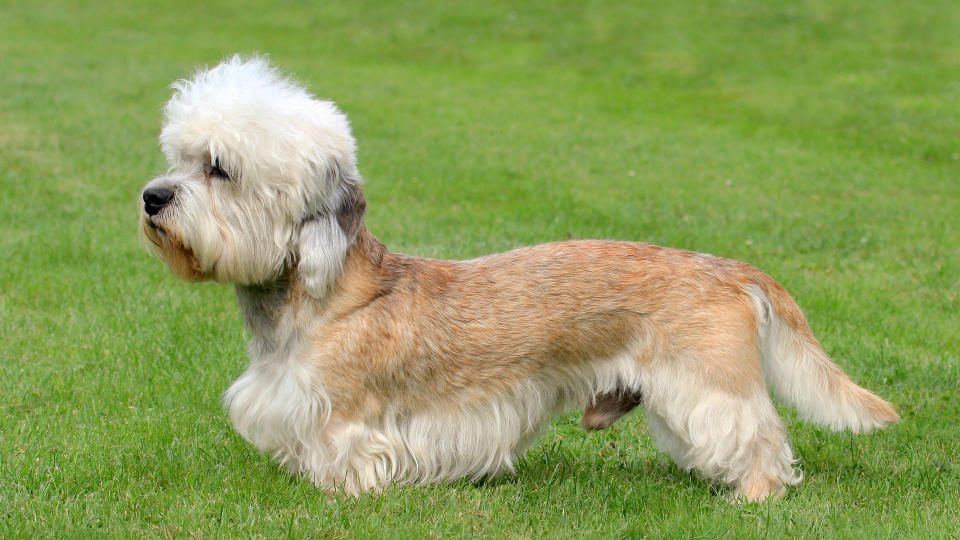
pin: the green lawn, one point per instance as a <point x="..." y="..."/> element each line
<point x="818" y="140"/>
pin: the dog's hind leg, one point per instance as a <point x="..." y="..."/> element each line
<point x="708" y="407"/>
<point x="608" y="407"/>
<point x="737" y="441"/>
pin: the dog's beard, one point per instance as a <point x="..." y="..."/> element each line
<point x="172" y="251"/>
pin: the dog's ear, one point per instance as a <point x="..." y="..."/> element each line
<point x="325" y="238"/>
<point x="350" y="212"/>
<point x="323" y="247"/>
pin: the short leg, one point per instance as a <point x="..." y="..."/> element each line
<point x="709" y="408"/>
<point x="738" y="441"/>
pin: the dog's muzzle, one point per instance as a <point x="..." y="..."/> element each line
<point x="154" y="199"/>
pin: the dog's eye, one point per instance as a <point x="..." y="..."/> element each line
<point x="215" y="170"/>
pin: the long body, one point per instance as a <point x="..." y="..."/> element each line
<point x="369" y="368"/>
<point x="418" y="370"/>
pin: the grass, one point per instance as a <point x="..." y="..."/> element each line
<point x="816" y="140"/>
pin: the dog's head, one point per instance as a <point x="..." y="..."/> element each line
<point x="262" y="178"/>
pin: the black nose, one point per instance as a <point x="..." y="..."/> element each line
<point x="156" y="198"/>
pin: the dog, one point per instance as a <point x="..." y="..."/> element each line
<point x="370" y="368"/>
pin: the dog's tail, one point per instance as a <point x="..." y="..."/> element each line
<point x="801" y="374"/>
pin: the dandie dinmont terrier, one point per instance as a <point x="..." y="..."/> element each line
<point x="369" y="367"/>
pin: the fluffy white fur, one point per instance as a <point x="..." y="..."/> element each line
<point x="278" y="405"/>
<point x="288" y="154"/>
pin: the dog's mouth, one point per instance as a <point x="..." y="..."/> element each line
<point x="157" y="234"/>
<point x="154" y="226"/>
<point x="168" y="246"/>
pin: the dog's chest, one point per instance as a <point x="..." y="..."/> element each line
<point x="279" y="403"/>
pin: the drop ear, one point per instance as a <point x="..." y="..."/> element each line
<point x="323" y="247"/>
<point x="324" y="240"/>
<point x="350" y="212"/>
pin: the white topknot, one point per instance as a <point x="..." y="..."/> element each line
<point x="263" y="126"/>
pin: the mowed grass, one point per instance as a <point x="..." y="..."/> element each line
<point x="818" y="140"/>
